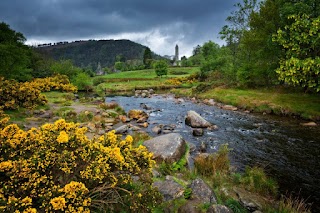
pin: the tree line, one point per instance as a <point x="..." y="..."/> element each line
<point x="267" y="43"/>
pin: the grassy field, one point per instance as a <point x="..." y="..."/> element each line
<point x="173" y="72"/>
<point x="141" y="79"/>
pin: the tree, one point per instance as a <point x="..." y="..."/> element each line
<point x="14" y="55"/>
<point x="212" y="59"/>
<point x="258" y="56"/>
<point x="301" y="43"/>
<point x="120" y="66"/>
<point x="234" y="32"/>
<point x="185" y="62"/>
<point x="8" y="35"/>
<point x="65" y="67"/>
<point x="161" y="67"/>
<point x="196" y="50"/>
<point x="82" y="81"/>
<point x="147" y="58"/>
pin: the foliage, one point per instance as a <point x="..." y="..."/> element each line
<point x="300" y="40"/>
<point x="235" y="206"/>
<point x="56" y="167"/>
<point x="28" y="94"/>
<point x="256" y="180"/>
<point x="292" y="205"/>
<point x="161" y="67"/>
<point x="119" y="66"/>
<point x="14" y="55"/>
<point x="3" y="118"/>
<point x="14" y="95"/>
<point x="82" y="81"/>
<point x="180" y="165"/>
<point x="187" y="193"/>
<point x="209" y="165"/>
<point x="65" y="67"/>
<point x="57" y="82"/>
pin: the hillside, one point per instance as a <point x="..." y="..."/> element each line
<point x="90" y="53"/>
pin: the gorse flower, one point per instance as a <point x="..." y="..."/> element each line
<point x="58" y="203"/>
<point x="63" y="137"/>
<point x="5" y="166"/>
<point x="57" y="168"/>
<point x="28" y="94"/>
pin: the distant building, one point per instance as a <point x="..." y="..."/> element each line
<point x="99" y="70"/>
<point x="176" y="61"/>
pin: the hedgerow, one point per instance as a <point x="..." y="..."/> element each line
<point x="57" y="168"/>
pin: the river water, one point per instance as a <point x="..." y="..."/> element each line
<point x="289" y="152"/>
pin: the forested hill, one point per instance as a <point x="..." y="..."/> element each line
<point x="90" y="53"/>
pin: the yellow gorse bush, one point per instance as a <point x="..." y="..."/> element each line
<point x="179" y="81"/>
<point x="28" y="94"/>
<point x="56" y="167"/>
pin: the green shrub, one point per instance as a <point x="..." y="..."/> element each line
<point x="82" y="81"/>
<point x="187" y="193"/>
<point x="178" y="72"/>
<point x="209" y="165"/>
<point x="98" y="80"/>
<point x="161" y="68"/>
<point x="235" y="206"/>
<point x="256" y="180"/>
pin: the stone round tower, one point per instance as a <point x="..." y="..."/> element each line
<point x="176" y="55"/>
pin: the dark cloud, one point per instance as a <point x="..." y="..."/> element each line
<point x="189" y="22"/>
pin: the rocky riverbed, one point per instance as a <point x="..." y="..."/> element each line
<point x="284" y="147"/>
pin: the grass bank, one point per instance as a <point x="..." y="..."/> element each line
<point x="277" y="101"/>
<point x="273" y="100"/>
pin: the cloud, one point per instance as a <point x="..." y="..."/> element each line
<point x="157" y="24"/>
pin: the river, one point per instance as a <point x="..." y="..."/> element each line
<point x="289" y="152"/>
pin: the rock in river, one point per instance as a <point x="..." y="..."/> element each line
<point x="194" y="120"/>
<point x="169" y="147"/>
<point x="138" y="114"/>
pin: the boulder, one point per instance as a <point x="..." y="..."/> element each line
<point x="209" y="102"/>
<point x="308" y="124"/>
<point x="203" y="147"/>
<point x="144" y="125"/>
<point x="180" y="100"/>
<point x="219" y="209"/>
<point x="169" y="147"/>
<point x="142" y="120"/>
<point x="151" y="91"/>
<point x="169" y="189"/>
<point x="91" y="127"/>
<point x="197" y="132"/>
<point x="137" y="114"/>
<point x="229" y="107"/>
<point x="201" y="191"/>
<point x="144" y="106"/>
<point x="248" y="200"/>
<point x="122" y="129"/>
<point x="191" y="206"/>
<point x="124" y="119"/>
<point x="156" y="129"/>
<point x="134" y="128"/>
<point x="194" y="120"/>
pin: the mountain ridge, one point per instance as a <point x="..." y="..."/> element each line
<point x="89" y="53"/>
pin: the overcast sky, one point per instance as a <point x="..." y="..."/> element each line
<point x="158" y="24"/>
